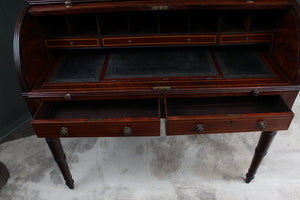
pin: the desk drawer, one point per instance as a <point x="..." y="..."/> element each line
<point x="226" y="114"/>
<point x="159" y="40"/>
<point x="72" y="42"/>
<point x="103" y="118"/>
<point x="246" y="38"/>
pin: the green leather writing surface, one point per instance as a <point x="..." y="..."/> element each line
<point x="78" y="68"/>
<point x="241" y="63"/>
<point x="161" y="62"/>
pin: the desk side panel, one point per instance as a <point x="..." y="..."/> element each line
<point x="30" y="54"/>
<point x="287" y="43"/>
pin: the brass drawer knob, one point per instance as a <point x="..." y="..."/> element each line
<point x="127" y="131"/>
<point x="68" y="3"/>
<point x="256" y="92"/>
<point x="262" y="125"/>
<point x="68" y="97"/>
<point x="64" y="131"/>
<point x="200" y="128"/>
<point x="129" y="41"/>
<point x="189" y="39"/>
<point x="72" y="43"/>
<point x="246" y="38"/>
<point x="249" y="1"/>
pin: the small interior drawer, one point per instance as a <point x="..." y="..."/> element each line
<point x="226" y="114"/>
<point x="246" y="38"/>
<point x="159" y="40"/>
<point x="99" y="118"/>
<point x="72" y="42"/>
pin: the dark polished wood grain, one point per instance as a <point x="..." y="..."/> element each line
<point x="105" y="118"/>
<point x="33" y="105"/>
<point x="115" y="68"/>
<point x="296" y="12"/>
<point x="226" y="114"/>
<point x="80" y="42"/>
<point x="17" y="50"/>
<point x="159" y="40"/>
<point x="286" y="49"/>
<point x="138" y="93"/>
<point x="29" y="54"/>
<point x="33" y="2"/>
<point x="97" y="128"/>
<point x="289" y="98"/>
<point x="117" y="6"/>
<point x="60" y="158"/>
<point x="261" y="150"/>
<point x="246" y="38"/>
<point x="217" y="124"/>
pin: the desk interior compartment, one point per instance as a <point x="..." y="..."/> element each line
<point x="242" y="63"/>
<point x="228" y="63"/>
<point x="160" y="63"/>
<point x="113" y="24"/>
<point x="78" y="67"/>
<point x="266" y="20"/>
<point x="226" y="114"/>
<point x="203" y="22"/>
<point x="235" y="21"/>
<point x="82" y="25"/>
<point x="105" y="118"/>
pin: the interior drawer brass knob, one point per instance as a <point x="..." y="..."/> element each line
<point x="249" y="1"/>
<point x="189" y="39"/>
<point x="64" y="131"/>
<point x="68" y="3"/>
<point x="262" y="125"/>
<point x="127" y="131"/>
<point x="200" y="128"/>
<point x="129" y="41"/>
<point x="256" y="92"/>
<point x="68" y="97"/>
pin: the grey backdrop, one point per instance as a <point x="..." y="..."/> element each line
<point x="13" y="111"/>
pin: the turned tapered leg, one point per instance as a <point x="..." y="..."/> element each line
<point x="261" y="150"/>
<point x="60" y="158"/>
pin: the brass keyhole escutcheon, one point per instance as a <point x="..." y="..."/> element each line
<point x="256" y="92"/>
<point x="64" y="131"/>
<point x="68" y="3"/>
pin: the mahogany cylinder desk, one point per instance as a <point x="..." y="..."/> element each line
<point x="115" y="68"/>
